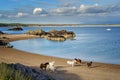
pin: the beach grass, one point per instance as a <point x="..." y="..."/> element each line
<point x="7" y="73"/>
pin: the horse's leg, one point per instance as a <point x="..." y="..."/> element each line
<point x="45" y="68"/>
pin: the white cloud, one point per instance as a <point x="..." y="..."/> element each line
<point x="64" y="10"/>
<point x="86" y="8"/>
<point x="37" y="10"/>
<point x="90" y="8"/>
<point x="20" y="14"/>
<point x="68" y="11"/>
<point x="82" y="8"/>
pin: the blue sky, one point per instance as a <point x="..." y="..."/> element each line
<point x="60" y="11"/>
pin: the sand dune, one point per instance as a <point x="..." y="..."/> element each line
<point x="99" y="71"/>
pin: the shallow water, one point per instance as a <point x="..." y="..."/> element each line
<point x="91" y="44"/>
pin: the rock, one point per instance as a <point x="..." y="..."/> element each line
<point x="36" y="75"/>
<point x="55" y="35"/>
<point x="60" y="35"/>
<point x="16" y="29"/>
<point x="36" y="32"/>
<point x="2" y="32"/>
<point x="5" y="44"/>
<point x="56" y="38"/>
<point x="53" y="31"/>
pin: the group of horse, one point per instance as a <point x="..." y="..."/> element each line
<point x="78" y="61"/>
<point x="50" y="65"/>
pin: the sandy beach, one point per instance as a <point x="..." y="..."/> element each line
<point x="99" y="71"/>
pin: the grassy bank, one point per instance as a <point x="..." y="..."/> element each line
<point x="7" y="73"/>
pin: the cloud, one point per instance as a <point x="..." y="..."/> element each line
<point x="20" y="14"/>
<point x="83" y="9"/>
<point x="99" y="9"/>
<point x="67" y="11"/>
<point x="64" y="11"/>
<point x="40" y="12"/>
<point x="37" y="10"/>
<point x="91" y="9"/>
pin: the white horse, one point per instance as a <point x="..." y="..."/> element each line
<point x="72" y="63"/>
<point x="51" y="66"/>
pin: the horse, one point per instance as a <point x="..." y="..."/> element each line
<point x="43" y="66"/>
<point x="72" y="63"/>
<point x="51" y="66"/>
<point x="89" y="64"/>
<point x="78" y="60"/>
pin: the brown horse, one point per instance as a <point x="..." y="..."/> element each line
<point x="89" y="64"/>
<point x="43" y="66"/>
<point x="78" y="60"/>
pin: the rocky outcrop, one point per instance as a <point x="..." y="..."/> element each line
<point x="5" y="44"/>
<point x="36" y="75"/>
<point x="55" y="35"/>
<point x="56" y="38"/>
<point x="2" y="32"/>
<point x="36" y="32"/>
<point x="16" y="29"/>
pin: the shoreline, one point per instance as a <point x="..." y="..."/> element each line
<point x="66" y="58"/>
<point x="22" y="24"/>
<point x="99" y="71"/>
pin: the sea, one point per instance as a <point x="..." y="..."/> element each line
<point x="97" y="44"/>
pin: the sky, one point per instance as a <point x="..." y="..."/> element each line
<point x="60" y="11"/>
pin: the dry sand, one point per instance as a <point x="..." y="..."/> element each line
<point x="99" y="71"/>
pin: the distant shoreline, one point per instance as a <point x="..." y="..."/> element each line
<point x="85" y="25"/>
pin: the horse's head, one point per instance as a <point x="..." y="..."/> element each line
<point x="52" y="63"/>
<point x="75" y="58"/>
<point x="91" y="62"/>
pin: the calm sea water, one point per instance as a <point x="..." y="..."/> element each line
<point x="91" y="44"/>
